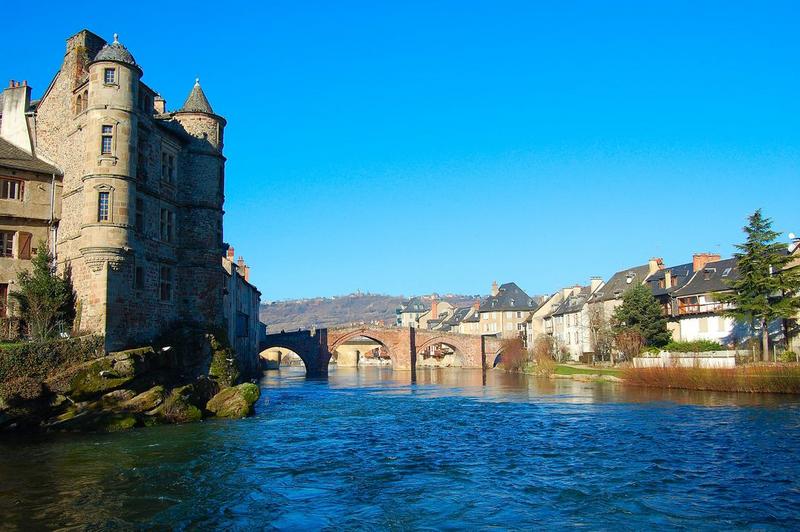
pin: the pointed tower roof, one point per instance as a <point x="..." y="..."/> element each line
<point x="197" y="101"/>
<point x="115" y="52"/>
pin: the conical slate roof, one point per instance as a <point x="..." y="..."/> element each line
<point x="197" y="101"/>
<point x="115" y="52"/>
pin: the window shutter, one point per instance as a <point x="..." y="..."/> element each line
<point x="25" y="245"/>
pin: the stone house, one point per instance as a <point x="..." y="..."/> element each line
<point x="30" y="190"/>
<point x="505" y="311"/>
<point x="439" y="312"/>
<point x="141" y="199"/>
<point x="408" y="313"/>
<point x="241" y="301"/>
<point x="570" y="322"/>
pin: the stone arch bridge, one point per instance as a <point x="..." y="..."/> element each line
<point x="403" y="345"/>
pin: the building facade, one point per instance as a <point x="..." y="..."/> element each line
<point x="30" y="192"/>
<point x="141" y="228"/>
<point x="505" y="311"/>
<point x="241" y="302"/>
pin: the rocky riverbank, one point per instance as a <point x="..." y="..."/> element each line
<point x="72" y="385"/>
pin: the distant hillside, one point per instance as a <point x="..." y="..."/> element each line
<point x="341" y="310"/>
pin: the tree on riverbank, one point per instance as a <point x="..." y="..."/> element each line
<point x="640" y="313"/>
<point x="45" y="299"/>
<point x="766" y="289"/>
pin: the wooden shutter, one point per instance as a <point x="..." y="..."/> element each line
<point x="25" y="245"/>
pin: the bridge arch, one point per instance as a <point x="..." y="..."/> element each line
<point x="455" y="359"/>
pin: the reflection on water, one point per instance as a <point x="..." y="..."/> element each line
<point x="440" y="448"/>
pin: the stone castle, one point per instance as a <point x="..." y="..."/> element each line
<point x="141" y="196"/>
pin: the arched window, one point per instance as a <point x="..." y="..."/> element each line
<point x="85" y="100"/>
<point x="78" y="104"/>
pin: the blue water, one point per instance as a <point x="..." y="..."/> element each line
<point x="369" y="449"/>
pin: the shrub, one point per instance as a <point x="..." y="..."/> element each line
<point x="780" y="378"/>
<point x="33" y="362"/>
<point x="788" y="356"/>
<point x="514" y="356"/>
<point x="697" y="346"/>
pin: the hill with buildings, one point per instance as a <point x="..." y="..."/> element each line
<point x="341" y="310"/>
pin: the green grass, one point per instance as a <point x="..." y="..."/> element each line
<point x="570" y="370"/>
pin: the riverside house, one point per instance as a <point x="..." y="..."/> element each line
<point x="506" y="311"/>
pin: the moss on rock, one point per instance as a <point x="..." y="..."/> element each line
<point x="235" y="402"/>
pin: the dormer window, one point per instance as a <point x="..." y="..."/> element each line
<point x="726" y="272"/>
<point x="110" y="76"/>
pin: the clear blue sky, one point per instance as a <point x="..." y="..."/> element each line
<point x="436" y="146"/>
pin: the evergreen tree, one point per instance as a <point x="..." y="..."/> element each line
<point x="45" y="299"/>
<point x="766" y="288"/>
<point x="640" y="312"/>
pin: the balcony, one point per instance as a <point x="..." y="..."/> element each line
<point x="685" y="308"/>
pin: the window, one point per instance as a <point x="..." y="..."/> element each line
<point x="6" y="244"/>
<point x="11" y="189"/>
<point x="102" y="206"/>
<point x="508" y="314"/>
<point x="3" y="300"/>
<point x="241" y="324"/>
<point x="519" y="314"/>
<point x="107" y="140"/>
<point x="726" y="272"/>
<point x="139" y="214"/>
<point x="167" y="225"/>
<point x="109" y="76"/>
<point x="486" y="316"/>
<point x="85" y="100"/>
<point x="168" y="167"/>
<point x="138" y="278"/>
<point x="78" y="104"/>
<point x="166" y="283"/>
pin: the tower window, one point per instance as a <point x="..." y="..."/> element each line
<point x="109" y="76"/>
<point x="107" y="140"/>
<point x="139" y="214"/>
<point x="167" y="225"/>
<point x="138" y="278"/>
<point x="166" y="283"/>
<point x="167" y="167"/>
<point x="102" y="206"/>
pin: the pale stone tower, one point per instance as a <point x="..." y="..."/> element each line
<point x="203" y="194"/>
<point x="141" y="228"/>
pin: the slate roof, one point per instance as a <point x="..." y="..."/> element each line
<point x="115" y="52"/>
<point x="573" y="303"/>
<point x="619" y="283"/>
<point x="682" y="273"/>
<point x="13" y="157"/>
<point x="196" y="101"/>
<point x="415" y="304"/>
<point x="509" y="297"/>
<point x="458" y="316"/>
<point x="711" y="278"/>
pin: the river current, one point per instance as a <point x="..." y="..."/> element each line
<point x="455" y="449"/>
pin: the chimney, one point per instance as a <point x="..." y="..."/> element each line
<point x="699" y="260"/>
<point x="565" y="293"/>
<point x="246" y="274"/>
<point x="230" y="253"/>
<point x="495" y="289"/>
<point x="434" y="308"/>
<point x="240" y="262"/>
<point x="654" y="264"/>
<point x="14" y="126"/>
<point x="160" y="104"/>
<point x="595" y="283"/>
<point x="476" y="305"/>
<point x="668" y="278"/>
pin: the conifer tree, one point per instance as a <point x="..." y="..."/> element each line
<point x="45" y="299"/>
<point x="640" y="312"/>
<point x="766" y="288"/>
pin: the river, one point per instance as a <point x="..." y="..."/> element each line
<point x="369" y="449"/>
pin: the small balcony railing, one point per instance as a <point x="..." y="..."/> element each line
<point x="702" y="308"/>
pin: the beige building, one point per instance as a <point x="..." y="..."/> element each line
<point x="30" y="190"/>
<point x="141" y="204"/>
<point x="505" y="312"/>
<point x="241" y="302"/>
<point x="409" y="313"/>
<point x="570" y="323"/>
<point x="434" y="319"/>
<point x="141" y="229"/>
